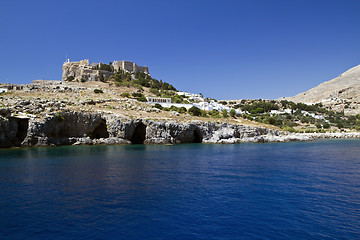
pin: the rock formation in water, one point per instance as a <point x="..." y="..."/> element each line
<point x="73" y="128"/>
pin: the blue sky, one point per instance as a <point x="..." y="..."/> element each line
<point x="222" y="49"/>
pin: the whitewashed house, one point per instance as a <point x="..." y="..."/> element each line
<point x="158" y="100"/>
<point x="3" y="90"/>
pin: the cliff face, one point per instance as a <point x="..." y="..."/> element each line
<point x="73" y="128"/>
<point x="64" y="129"/>
<point x="12" y="130"/>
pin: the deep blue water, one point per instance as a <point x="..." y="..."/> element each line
<point x="299" y="190"/>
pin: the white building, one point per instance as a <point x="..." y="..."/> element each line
<point x="158" y="100"/>
<point x="169" y="104"/>
<point x="321" y="117"/>
<point x="280" y="112"/>
<point x="2" y="90"/>
<point x="204" y="106"/>
<point x="195" y="97"/>
<point x="207" y="106"/>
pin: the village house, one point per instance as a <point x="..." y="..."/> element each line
<point x="3" y="90"/>
<point x="158" y="100"/>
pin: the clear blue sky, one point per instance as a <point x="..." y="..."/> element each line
<point x="223" y="49"/>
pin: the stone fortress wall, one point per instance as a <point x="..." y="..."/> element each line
<point x="129" y="67"/>
<point x="82" y="70"/>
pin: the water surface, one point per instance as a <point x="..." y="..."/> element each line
<point x="299" y="190"/>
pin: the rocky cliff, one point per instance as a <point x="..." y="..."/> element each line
<point x="82" y="71"/>
<point x="73" y="128"/>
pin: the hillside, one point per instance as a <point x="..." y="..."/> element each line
<point x="42" y="98"/>
<point x="340" y="94"/>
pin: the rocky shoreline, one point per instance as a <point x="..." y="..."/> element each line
<point x="86" y="128"/>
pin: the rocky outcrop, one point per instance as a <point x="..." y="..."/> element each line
<point x="82" y="71"/>
<point x="65" y="128"/>
<point x="77" y="128"/>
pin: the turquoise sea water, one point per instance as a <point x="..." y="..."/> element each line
<point x="299" y="190"/>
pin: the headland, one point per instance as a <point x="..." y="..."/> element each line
<point x="120" y="103"/>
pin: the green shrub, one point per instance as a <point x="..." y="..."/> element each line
<point x="232" y="113"/>
<point x="137" y="94"/>
<point x="142" y="99"/>
<point x="278" y="122"/>
<point x="105" y="67"/>
<point x="194" y="111"/>
<point x="70" y="78"/>
<point x="182" y="110"/>
<point x="158" y="105"/>
<point x="271" y="120"/>
<point x="215" y="113"/>
<point x="154" y="91"/>
<point x="289" y="129"/>
<point x="203" y="113"/>
<point x="224" y="113"/>
<point x="102" y="79"/>
<point x="98" y="91"/>
<point x="59" y="117"/>
<point x="174" y="108"/>
<point x="127" y="95"/>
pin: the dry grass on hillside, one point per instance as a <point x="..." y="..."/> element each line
<point x="111" y="101"/>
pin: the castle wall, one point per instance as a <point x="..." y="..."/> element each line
<point x="84" y="62"/>
<point x="83" y="70"/>
<point x="129" y="67"/>
<point x="117" y="65"/>
<point x="141" y="69"/>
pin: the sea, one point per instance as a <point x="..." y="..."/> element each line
<point x="296" y="190"/>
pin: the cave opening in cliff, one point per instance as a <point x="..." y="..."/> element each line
<point x="100" y="131"/>
<point x="197" y="137"/>
<point x="21" y="125"/>
<point x="139" y="134"/>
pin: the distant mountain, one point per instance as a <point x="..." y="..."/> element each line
<point x="340" y="94"/>
<point x="345" y="86"/>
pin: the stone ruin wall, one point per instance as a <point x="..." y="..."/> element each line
<point x="129" y="67"/>
<point x="83" y="70"/>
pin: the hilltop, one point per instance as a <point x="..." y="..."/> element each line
<point x="339" y="94"/>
